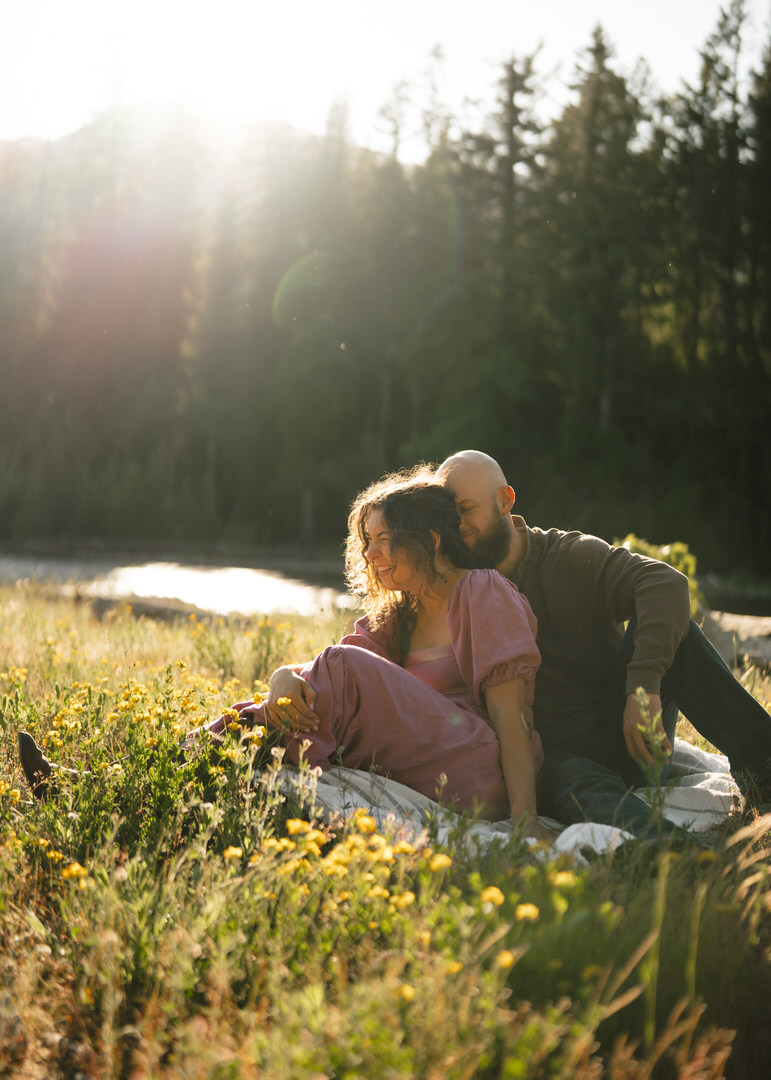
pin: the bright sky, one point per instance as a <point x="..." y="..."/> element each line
<point x="61" y="61"/>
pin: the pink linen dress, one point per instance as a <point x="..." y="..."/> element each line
<point x="424" y="723"/>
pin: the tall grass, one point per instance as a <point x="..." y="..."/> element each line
<point x="197" y="919"/>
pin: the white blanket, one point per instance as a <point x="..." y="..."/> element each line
<point x="700" y="792"/>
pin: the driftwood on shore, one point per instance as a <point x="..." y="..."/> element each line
<point x="740" y="638"/>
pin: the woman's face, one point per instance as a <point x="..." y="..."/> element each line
<point x="395" y="570"/>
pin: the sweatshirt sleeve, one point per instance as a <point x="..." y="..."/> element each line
<point x="492" y="629"/>
<point x="628" y="584"/>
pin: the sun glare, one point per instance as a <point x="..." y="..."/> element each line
<point x="242" y="61"/>
<point x="234" y="61"/>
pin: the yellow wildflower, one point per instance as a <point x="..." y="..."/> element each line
<point x="378" y="891"/>
<point x="453" y="967"/>
<point x="440" y="861"/>
<point x="492" y="895"/>
<point x="232" y="853"/>
<point x="74" y="870"/>
<point x="527" y="912"/>
<point x="404" y="900"/>
<point x="505" y="958"/>
<point x="297" y="825"/>
<point x="407" y="992"/>
<point x="565" y="879"/>
<point x="364" y="822"/>
<point x="292" y="865"/>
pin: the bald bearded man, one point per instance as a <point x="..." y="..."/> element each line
<point x="599" y="684"/>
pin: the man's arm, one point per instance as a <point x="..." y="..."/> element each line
<point x="589" y="581"/>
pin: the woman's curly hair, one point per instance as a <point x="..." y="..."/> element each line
<point x="413" y="507"/>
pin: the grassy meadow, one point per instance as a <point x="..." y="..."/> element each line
<point x="192" y="920"/>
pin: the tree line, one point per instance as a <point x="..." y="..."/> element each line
<point x="208" y="341"/>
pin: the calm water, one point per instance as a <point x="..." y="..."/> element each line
<point x="223" y="590"/>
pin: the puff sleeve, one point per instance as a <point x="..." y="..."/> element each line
<point x="381" y="641"/>
<point x="492" y="628"/>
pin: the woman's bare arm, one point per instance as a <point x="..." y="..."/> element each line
<point x="506" y="706"/>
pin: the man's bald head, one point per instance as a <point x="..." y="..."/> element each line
<point x="484" y="501"/>
<point x="471" y="465"/>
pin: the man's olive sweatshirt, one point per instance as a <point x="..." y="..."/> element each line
<point x="582" y="591"/>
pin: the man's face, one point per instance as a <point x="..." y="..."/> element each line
<point x="483" y="528"/>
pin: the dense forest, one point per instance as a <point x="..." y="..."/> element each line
<point x="224" y="342"/>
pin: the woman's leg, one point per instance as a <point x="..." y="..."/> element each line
<point x="375" y="715"/>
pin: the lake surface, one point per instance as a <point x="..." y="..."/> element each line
<point x="222" y="590"/>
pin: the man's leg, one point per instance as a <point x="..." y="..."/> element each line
<point x="718" y="706"/>
<point x="590" y="777"/>
<point x="573" y="789"/>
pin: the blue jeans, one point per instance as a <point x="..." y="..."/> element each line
<point x="590" y="777"/>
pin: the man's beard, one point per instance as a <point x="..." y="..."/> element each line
<point x="492" y="546"/>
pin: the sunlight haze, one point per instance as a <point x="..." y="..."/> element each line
<point x="243" y="62"/>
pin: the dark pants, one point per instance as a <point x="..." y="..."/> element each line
<point x="590" y="777"/>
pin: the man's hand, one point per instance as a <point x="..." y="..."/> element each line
<point x="637" y="715"/>
<point x="290" y="701"/>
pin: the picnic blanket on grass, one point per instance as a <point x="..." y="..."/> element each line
<point x="699" y="793"/>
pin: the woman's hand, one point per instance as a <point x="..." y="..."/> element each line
<point x="534" y="828"/>
<point x="290" y="701"/>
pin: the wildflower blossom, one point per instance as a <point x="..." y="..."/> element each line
<point x="505" y="959"/>
<point x="74" y="870"/>
<point x="565" y="879"/>
<point x="526" y="912"/>
<point x="404" y="900"/>
<point x="440" y="861"/>
<point x="407" y="992"/>
<point x="297" y="825"/>
<point x="492" y="895"/>
<point x="232" y="853"/>
<point x="363" y="821"/>
<point x="453" y="967"/>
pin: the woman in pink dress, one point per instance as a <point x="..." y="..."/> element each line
<point x="434" y="687"/>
